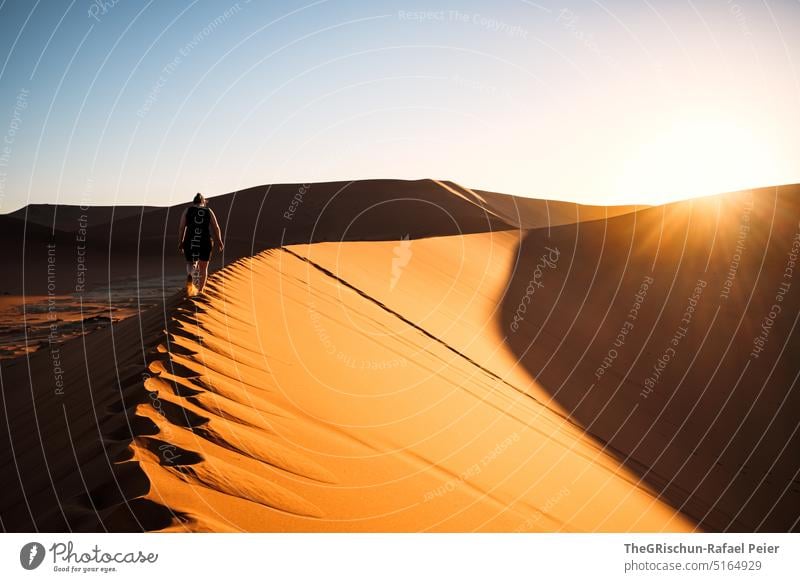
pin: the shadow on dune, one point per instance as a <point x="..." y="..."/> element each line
<point x="67" y="419"/>
<point x="653" y="331"/>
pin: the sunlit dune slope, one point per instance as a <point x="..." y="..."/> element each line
<point x="313" y="406"/>
<point x="289" y="399"/>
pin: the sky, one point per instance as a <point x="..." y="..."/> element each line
<point x="136" y="102"/>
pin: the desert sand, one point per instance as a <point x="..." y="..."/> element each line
<point x="419" y="356"/>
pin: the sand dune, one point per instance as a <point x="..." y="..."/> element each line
<point x="436" y="380"/>
<point x="528" y="213"/>
<point x="66" y="217"/>
<point x="287" y="400"/>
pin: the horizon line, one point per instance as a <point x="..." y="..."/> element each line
<point x="352" y="181"/>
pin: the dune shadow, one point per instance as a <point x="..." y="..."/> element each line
<point x="67" y="447"/>
<point x="641" y="331"/>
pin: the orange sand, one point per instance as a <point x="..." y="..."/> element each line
<point x="379" y="386"/>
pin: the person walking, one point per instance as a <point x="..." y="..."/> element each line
<point x="198" y="234"/>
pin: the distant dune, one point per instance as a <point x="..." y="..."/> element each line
<point x="67" y="217"/>
<point x="141" y="241"/>
<point x="419" y="356"/>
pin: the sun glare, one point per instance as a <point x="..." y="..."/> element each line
<point x="696" y="157"/>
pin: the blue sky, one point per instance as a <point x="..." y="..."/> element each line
<point x="619" y="101"/>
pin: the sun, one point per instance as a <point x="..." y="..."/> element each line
<point x="696" y="157"/>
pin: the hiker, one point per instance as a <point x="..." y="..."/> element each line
<point x="198" y="233"/>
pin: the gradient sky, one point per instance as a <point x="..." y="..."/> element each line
<point x="140" y="102"/>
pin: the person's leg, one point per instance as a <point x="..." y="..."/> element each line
<point x="202" y="268"/>
<point x="191" y="272"/>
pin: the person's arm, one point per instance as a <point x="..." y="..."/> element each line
<point x="181" y="230"/>
<point x="216" y="231"/>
